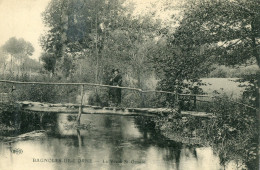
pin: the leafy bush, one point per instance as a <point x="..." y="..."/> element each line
<point x="41" y="93"/>
<point x="99" y="98"/>
<point x="9" y="114"/>
<point x="132" y="99"/>
<point x="233" y="132"/>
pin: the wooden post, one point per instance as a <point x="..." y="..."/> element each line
<point x="195" y="103"/>
<point x="11" y="96"/>
<point x="81" y="101"/>
<point x="143" y="97"/>
<point x="176" y="103"/>
<point x="30" y="75"/>
<point x="79" y="139"/>
<point x="41" y="118"/>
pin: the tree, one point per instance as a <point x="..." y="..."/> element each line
<point x="3" y="61"/>
<point x="231" y="28"/>
<point x="18" y="49"/>
<point x="75" y="26"/>
<point x="127" y="48"/>
<point x="223" y="31"/>
<point x="48" y="62"/>
<point x="31" y="65"/>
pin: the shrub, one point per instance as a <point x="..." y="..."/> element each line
<point x="233" y="132"/>
<point x="99" y="98"/>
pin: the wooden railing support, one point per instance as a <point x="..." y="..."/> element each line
<point x="195" y="102"/>
<point x="143" y="99"/>
<point x="177" y="103"/>
<point x="81" y="101"/>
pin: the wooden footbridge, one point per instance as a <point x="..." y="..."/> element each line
<point x="80" y="108"/>
<point x="90" y="109"/>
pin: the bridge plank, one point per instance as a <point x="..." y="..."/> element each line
<point x="88" y="109"/>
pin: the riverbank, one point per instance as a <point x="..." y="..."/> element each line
<point x="14" y="121"/>
<point x="36" y="134"/>
<point x="233" y="132"/>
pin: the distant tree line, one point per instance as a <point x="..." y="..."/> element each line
<point x="15" y="57"/>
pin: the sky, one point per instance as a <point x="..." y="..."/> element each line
<point x="22" y="19"/>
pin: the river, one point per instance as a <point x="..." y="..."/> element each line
<point x="109" y="143"/>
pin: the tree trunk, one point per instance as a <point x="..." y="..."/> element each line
<point x="11" y="64"/>
<point x="96" y="51"/>
<point x="64" y="21"/>
<point x="4" y="67"/>
<point x="97" y="57"/>
<point x="256" y="55"/>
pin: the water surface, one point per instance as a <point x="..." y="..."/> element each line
<point x="111" y="143"/>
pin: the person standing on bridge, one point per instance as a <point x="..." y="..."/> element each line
<point x="115" y="93"/>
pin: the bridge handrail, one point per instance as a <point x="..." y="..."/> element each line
<point x="100" y="85"/>
<point x="89" y="84"/>
<point x="129" y="88"/>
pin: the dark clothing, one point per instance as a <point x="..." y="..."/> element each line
<point x="117" y="80"/>
<point x="115" y="93"/>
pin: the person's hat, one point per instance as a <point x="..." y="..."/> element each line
<point x="116" y="70"/>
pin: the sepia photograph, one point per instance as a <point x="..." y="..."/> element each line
<point x="129" y="84"/>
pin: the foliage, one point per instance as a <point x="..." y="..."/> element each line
<point x="14" y="121"/>
<point x="41" y="93"/>
<point x="233" y="132"/>
<point x="101" y="35"/>
<point x="228" y="30"/>
<point x="238" y="133"/>
<point x="48" y="62"/>
<point x="8" y="113"/>
<point x="251" y="93"/>
<point x="3" y="58"/>
<point x="18" y="49"/>
<point x="179" y="66"/>
<point x="31" y="65"/>
<point x="210" y="32"/>
<point x="101" y="98"/>
<point x="75" y="26"/>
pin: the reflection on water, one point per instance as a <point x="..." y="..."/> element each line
<point x="112" y="142"/>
